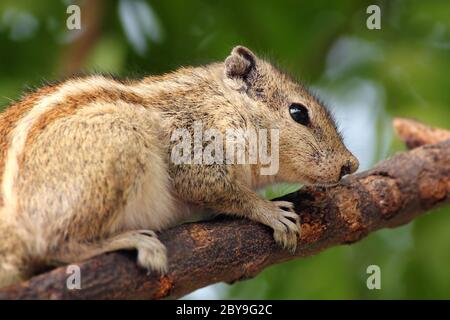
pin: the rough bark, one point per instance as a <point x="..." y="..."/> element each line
<point x="415" y="134"/>
<point x="392" y="193"/>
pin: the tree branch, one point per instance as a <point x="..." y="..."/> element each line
<point x="392" y="193"/>
<point x="415" y="134"/>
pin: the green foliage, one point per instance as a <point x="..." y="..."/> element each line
<point x="366" y="76"/>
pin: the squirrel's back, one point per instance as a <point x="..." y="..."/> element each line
<point x="86" y="145"/>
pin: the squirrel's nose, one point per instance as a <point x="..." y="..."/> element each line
<point x="349" y="167"/>
<point x="344" y="170"/>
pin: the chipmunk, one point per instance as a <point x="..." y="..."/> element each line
<point x="85" y="165"/>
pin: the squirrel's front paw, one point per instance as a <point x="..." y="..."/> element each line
<point x="285" y="223"/>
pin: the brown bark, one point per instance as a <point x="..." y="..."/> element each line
<point x="392" y="193"/>
<point x="415" y="134"/>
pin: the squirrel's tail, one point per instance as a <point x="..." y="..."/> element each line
<point x="12" y="255"/>
<point x="9" y="274"/>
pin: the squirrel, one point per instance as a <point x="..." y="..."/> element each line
<point x="85" y="164"/>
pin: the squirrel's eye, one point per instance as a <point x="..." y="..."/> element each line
<point x="299" y="113"/>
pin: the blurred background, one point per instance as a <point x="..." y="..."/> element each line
<point x="366" y="77"/>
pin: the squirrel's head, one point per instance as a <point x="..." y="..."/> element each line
<point x="311" y="149"/>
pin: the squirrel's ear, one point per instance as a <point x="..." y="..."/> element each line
<point x="240" y="62"/>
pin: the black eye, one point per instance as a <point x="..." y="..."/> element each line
<point x="299" y="113"/>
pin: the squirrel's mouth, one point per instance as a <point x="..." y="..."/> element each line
<point x="310" y="180"/>
<point x="316" y="182"/>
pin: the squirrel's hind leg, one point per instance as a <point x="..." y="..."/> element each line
<point x="151" y="252"/>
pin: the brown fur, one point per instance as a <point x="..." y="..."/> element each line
<point x="74" y="103"/>
<point x="90" y="169"/>
<point x="8" y="120"/>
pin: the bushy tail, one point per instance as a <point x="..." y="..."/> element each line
<point x="9" y="274"/>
